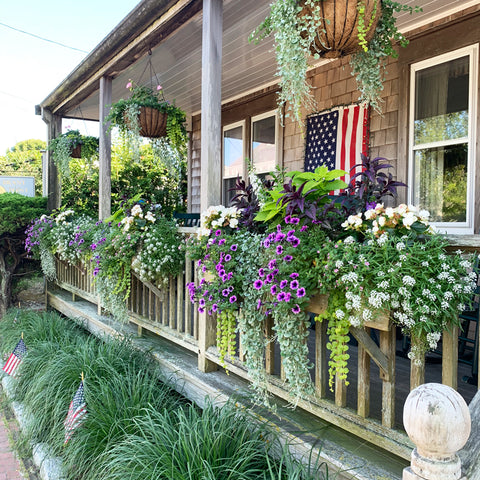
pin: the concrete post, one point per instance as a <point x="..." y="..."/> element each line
<point x="437" y="420"/>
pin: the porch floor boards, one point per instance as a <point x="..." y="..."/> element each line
<point x="351" y="456"/>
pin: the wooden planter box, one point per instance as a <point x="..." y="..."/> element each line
<point x="318" y="304"/>
<point x="339" y="36"/>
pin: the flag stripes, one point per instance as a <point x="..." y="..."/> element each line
<point x="336" y="138"/>
<point x="77" y="413"/>
<point x="15" y="358"/>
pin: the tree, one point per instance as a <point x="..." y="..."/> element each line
<point x="16" y="212"/>
<point x="25" y="159"/>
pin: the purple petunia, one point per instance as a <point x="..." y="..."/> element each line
<point x="279" y="250"/>
<point x="273" y="289"/>
<point x="283" y="284"/>
<point x="272" y="264"/>
<point x="300" y="292"/>
<point x="261" y="272"/>
<point x="294" y="275"/>
<point x="258" y="284"/>
<point x="214" y="307"/>
<point x="294" y="284"/>
<point x="287" y="258"/>
<point x="288" y="296"/>
<point x="279" y="236"/>
<point x="269" y="278"/>
<point x="228" y="257"/>
<point x="233" y="299"/>
<point x="234" y="247"/>
<point x="259" y="304"/>
<point x="218" y="233"/>
<point x="266" y="243"/>
<point x="201" y="302"/>
<point x="295" y="242"/>
<point x="221" y="241"/>
<point x="296" y="309"/>
<point x="281" y="296"/>
<point x="225" y="292"/>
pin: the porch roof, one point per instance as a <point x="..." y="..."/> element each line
<point x="172" y="31"/>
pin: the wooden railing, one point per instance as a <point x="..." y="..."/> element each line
<point x="370" y="407"/>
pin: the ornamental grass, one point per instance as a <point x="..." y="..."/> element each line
<point x="137" y="425"/>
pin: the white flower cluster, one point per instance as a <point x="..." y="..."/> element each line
<point x="158" y="258"/>
<point x="62" y="216"/>
<point x="380" y="218"/>
<point x="137" y="213"/>
<point x="218" y="217"/>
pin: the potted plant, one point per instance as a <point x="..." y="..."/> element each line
<point x="146" y="113"/>
<point x="72" y="144"/>
<point x="305" y="27"/>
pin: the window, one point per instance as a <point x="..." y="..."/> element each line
<point x="264" y="143"/>
<point x="442" y="113"/>
<point x="233" y="158"/>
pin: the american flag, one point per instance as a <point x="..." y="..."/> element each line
<point x="77" y="413"/>
<point x="336" y="138"/>
<point x="15" y="358"/>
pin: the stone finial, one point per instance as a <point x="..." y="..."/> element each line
<point x="437" y="420"/>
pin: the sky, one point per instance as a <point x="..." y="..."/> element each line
<point x="32" y="68"/>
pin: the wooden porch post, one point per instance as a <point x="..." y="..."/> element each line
<point x="211" y="165"/>
<point x="105" y="152"/>
<point x="53" y="190"/>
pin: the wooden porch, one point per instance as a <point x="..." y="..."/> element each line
<point x="380" y="375"/>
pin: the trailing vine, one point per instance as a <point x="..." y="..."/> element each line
<point x="226" y="343"/>
<point x="337" y="331"/>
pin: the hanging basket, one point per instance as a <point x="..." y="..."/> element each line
<point x="76" y="152"/>
<point x="339" y="36"/>
<point x="153" y="123"/>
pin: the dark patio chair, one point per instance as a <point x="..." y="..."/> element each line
<point x="187" y="219"/>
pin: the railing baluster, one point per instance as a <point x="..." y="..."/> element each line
<point x="363" y="385"/>
<point x="388" y="347"/>
<point x="180" y="302"/>
<point x="188" y="303"/>
<point x="450" y="358"/>
<point x="321" y="359"/>
<point x="270" y="348"/>
<point x="171" y="303"/>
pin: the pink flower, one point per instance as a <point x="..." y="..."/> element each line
<point x="129" y="85"/>
<point x="159" y="87"/>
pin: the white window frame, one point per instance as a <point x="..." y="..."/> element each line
<point x="471" y="51"/>
<point x="231" y="126"/>
<point x="278" y="133"/>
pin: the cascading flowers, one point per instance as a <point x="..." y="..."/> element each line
<point x="394" y="268"/>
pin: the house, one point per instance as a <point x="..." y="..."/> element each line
<point x="428" y="128"/>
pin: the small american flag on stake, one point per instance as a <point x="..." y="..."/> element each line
<point x="15" y="358"/>
<point x="77" y="412"/>
<point x="336" y="138"/>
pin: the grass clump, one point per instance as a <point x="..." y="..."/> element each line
<point x="137" y="426"/>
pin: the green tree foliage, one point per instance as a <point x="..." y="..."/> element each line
<point x="24" y="159"/>
<point x="16" y="212"/>
<point x="160" y="178"/>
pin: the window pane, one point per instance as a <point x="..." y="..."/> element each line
<point x="263" y="145"/>
<point x="233" y="152"/>
<point x="228" y="192"/>
<point x="441" y="182"/>
<point x="441" y="102"/>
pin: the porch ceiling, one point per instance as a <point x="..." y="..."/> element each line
<point x="173" y="33"/>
